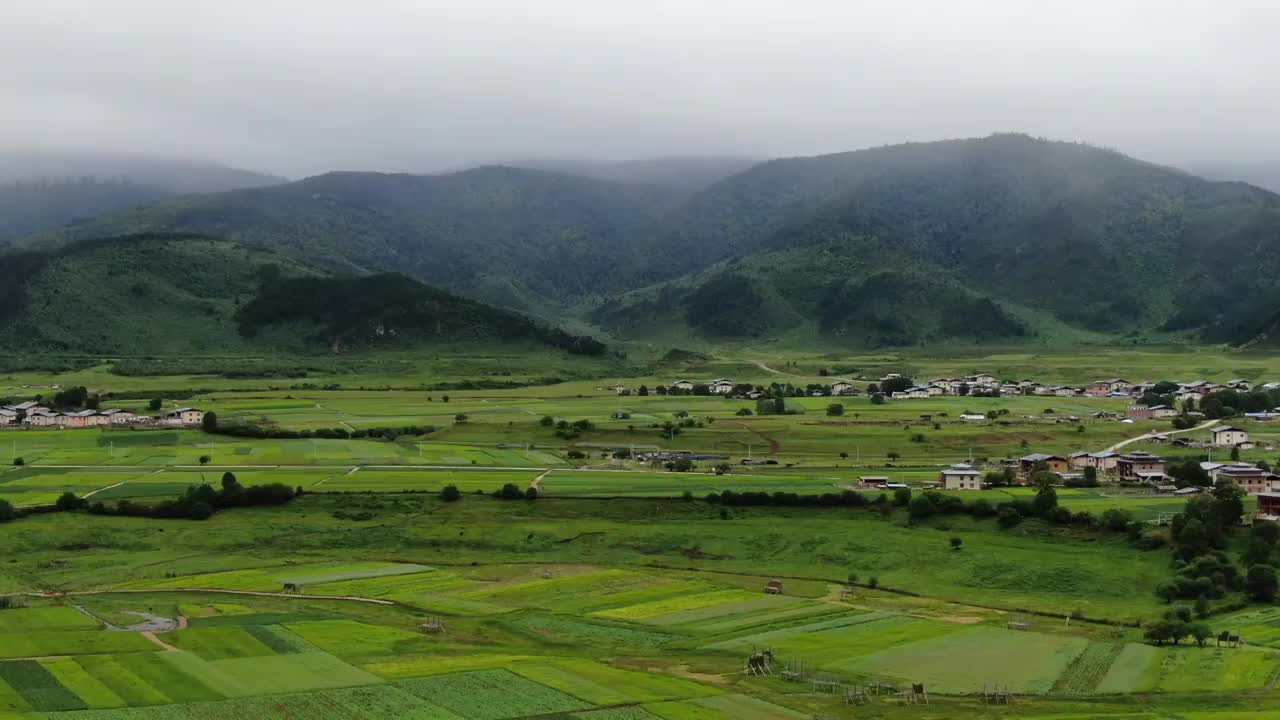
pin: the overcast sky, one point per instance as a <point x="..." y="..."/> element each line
<point x="303" y="86"/>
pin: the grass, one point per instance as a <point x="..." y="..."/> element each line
<point x="964" y="661"/>
<point x="492" y="695"/>
<point x="45" y="643"/>
<point x="39" y="619"/>
<point x="603" y="685"/>
<point x="217" y="643"/>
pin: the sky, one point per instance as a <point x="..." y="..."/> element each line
<point x="299" y="87"/>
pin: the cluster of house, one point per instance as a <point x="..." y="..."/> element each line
<point x="34" y="415"/>
<point x="1111" y="388"/>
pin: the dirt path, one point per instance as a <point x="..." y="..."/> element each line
<point x="163" y="645"/>
<point x="536" y="483"/>
<point x="91" y="493"/>
<point x="1150" y="435"/>
<point x="220" y="591"/>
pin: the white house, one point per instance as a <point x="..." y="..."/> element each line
<point x="960" y="477"/>
<point x="973" y="417"/>
<point x="721" y="386"/>
<point x="1227" y="436"/>
<point x="44" y="418"/>
<point x="840" y="387"/>
<point x="183" y="416"/>
<point x="8" y="417"/>
<point x="682" y="384"/>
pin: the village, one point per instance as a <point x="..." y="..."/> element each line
<point x="900" y="387"/>
<point x="32" y="414"/>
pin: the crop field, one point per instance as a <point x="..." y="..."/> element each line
<point x="610" y="596"/>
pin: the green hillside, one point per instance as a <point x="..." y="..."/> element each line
<point x="1089" y="237"/>
<point x="495" y="233"/>
<point x="184" y="294"/>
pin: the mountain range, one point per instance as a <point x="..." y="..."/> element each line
<point x="1005" y="238"/>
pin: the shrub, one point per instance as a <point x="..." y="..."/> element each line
<point x="450" y="493"/>
<point x="19" y="461"/>
<point x="7" y="512"/>
<point x="1008" y="516"/>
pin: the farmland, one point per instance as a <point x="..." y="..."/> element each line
<point x="619" y="593"/>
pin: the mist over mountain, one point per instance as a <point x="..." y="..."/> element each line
<point x="175" y="176"/>
<point x="1022" y="238"/>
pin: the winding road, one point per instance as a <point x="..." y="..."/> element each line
<point x="1167" y="433"/>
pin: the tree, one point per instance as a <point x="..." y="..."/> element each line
<point x="1091" y="476"/>
<point x="460" y="418"/>
<point x="7" y="513"/>
<point x="205" y="459"/>
<point x="19" y="462"/>
<point x="920" y="508"/>
<point x="1260" y="583"/>
<point x="210" y="422"/>
<point x="1202" y="606"/>
<point x="229" y="482"/>
<point x="893" y="455"/>
<point x="531" y="493"/>
<point x="444" y="398"/>
<point x="643" y="391"/>
<point x="901" y="497"/>
<point x="1229" y="507"/>
<point x="682" y="464"/>
<point x="844" y="455"/>
<point x="877" y="399"/>
<point x="1235" y="453"/>
<point x="547" y="421"/>
<point x="1200" y="632"/>
<point x="68" y="501"/>
<point x="450" y="493"/>
<point x="1008" y="516"/>
<point x="1046" y="499"/>
<point x="743" y="412"/>
<point x="957" y="543"/>
<point x="835" y="410"/>
<point x="155" y="404"/>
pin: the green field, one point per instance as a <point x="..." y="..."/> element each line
<point x="619" y="593"/>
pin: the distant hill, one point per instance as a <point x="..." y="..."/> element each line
<point x="683" y="174"/>
<point x="43" y="191"/>
<point x="175" y="176"/>
<point x="517" y="237"/>
<point x="184" y="294"/>
<point x="1001" y="228"/>
<point x="32" y="206"/>
<point x="1264" y="175"/>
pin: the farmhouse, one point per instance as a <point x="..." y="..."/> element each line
<point x="8" y="417"/>
<point x="42" y="418"/>
<point x="1252" y="480"/>
<point x="682" y="384"/>
<point x="972" y="417"/>
<point x="841" y="387"/>
<point x="1053" y="463"/>
<point x="1138" y="466"/>
<point x="116" y="416"/>
<point x="1269" y="506"/>
<point x="960" y="477"/>
<point x="1153" y="412"/>
<point x="1098" y="388"/>
<point x="721" y="386"/>
<point x="183" y="416"/>
<point x="1227" y="436"/>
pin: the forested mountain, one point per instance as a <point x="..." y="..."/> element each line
<point x="32" y="206"/>
<point x="513" y="237"/>
<point x="683" y="174"/>
<point x="175" y="176"/>
<point x="183" y="294"/>
<point x="1087" y="236"/>
<point x="993" y="239"/>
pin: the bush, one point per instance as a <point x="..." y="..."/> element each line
<point x="19" y="461"/>
<point x="7" y="512"/>
<point x="1008" y="516"/>
<point x="450" y="493"/>
<point x="920" y="508"/>
<point x="902" y="497"/>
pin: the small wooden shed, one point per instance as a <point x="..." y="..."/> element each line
<point x="774" y="587"/>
